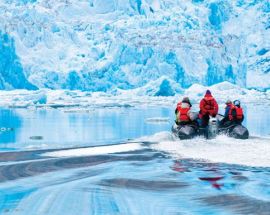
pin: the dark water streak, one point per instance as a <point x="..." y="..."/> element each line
<point x="36" y="167"/>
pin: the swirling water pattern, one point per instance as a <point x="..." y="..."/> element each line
<point x="147" y="179"/>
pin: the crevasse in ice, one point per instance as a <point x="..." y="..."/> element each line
<point x="99" y="45"/>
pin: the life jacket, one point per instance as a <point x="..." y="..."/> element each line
<point x="183" y="113"/>
<point x="239" y="113"/>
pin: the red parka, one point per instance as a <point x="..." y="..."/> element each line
<point x="208" y="106"/>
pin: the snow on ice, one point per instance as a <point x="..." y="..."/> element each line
<point x="104" y="45"/>
<point x="150" y="96"/>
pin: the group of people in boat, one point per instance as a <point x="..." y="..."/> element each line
<point x="208" y="108"/>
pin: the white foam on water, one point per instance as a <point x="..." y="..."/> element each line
<point x="252" y="152"/>
<point x="99" y="150"/>
<point x="157" y="137"/>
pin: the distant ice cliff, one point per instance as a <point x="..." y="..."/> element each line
<point x="101" y="45"/>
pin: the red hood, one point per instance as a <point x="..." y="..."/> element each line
<point x="208" y="96"/>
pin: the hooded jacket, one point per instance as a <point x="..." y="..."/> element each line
<point x="208" y="105"/>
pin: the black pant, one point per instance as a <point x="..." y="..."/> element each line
<point x="183" y="123"/>
<point x="205" y="120"/>
<point x="224" y="121"/>
<point x="227" y="122"/>
<point x="239" y="121"/>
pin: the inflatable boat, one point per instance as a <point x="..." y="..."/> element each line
<point x="213" y="129"/>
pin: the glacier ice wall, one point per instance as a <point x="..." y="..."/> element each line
<point x="99" y="45"/>
<point x="11" y="71"/>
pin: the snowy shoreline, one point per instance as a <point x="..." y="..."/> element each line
<point x="46" y="98"/>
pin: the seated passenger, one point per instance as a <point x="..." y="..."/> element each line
<point x="208" y="107"/>
<point x="236" y="113"/>
<point x="183" y="113"/>
<point x="226" y="121"/>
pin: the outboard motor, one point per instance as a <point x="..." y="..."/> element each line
<point x="212" y="130"/>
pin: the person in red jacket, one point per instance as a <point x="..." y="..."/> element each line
<point x="208" y="107"/>
<point x="182" y="112"/>
<point x="233" y="113"/>
<point x="236" y="113"/>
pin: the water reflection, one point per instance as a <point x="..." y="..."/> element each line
<point x="142" y="182"/>
<point x="60" y="128"/>
<point x="139" y="182"/>
<point x="64" y="128"/>
<point x="10" y="121"/>
<point x="214" y="181"/>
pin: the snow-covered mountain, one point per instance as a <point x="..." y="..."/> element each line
<point x="99" y="45"/>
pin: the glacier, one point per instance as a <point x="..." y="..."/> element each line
<point x="11" y="75"/>
<point x="114" y="45"/>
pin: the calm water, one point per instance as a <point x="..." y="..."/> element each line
<point x="144" y="181"/>
<point x="26" y="129"/>
<point x="65" y="128"/>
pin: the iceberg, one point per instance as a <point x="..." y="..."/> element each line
<point x="151" y="94"/>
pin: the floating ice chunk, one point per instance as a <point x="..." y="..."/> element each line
<point x="145" y="95"/>
<point x="158" y="120"/>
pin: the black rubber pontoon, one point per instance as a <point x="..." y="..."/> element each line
<point x="236" y="131"/>
<point x="189" y="131"/>
<point x="184" y="131"/>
